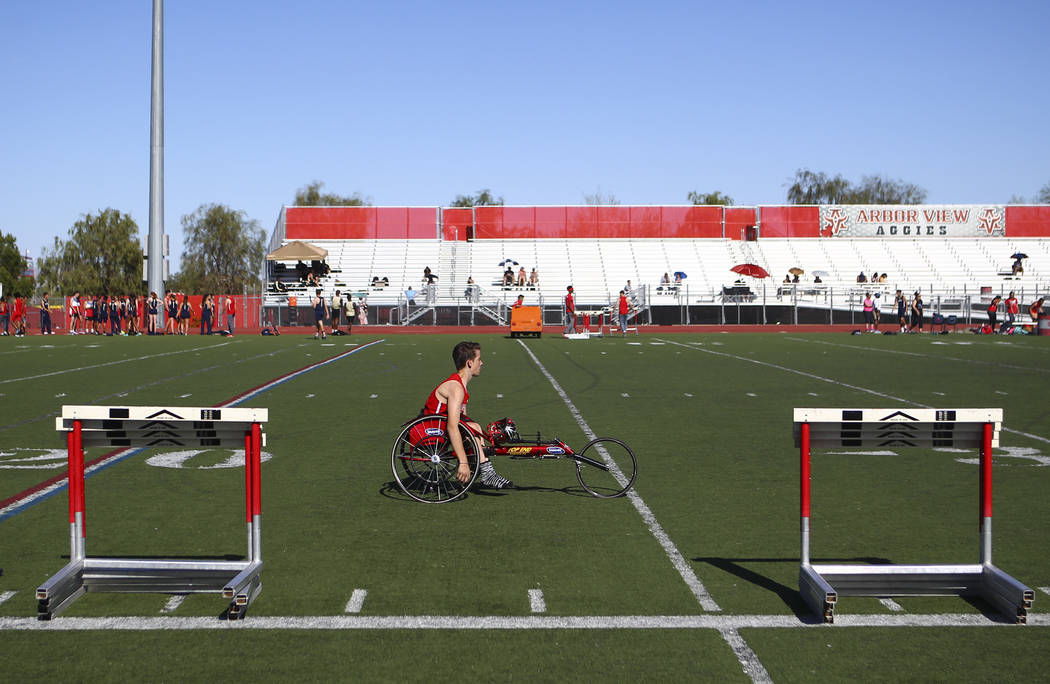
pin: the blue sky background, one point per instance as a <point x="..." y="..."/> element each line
<point x="412" y="103"/>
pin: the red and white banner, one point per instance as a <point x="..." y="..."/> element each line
<point x="913" y="221"/>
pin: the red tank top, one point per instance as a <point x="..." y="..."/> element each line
<point x="435" y="405"/>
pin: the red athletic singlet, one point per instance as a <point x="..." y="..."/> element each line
<point x="435" y="405"/>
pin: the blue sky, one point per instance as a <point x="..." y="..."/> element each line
<point x="412" y="103"/>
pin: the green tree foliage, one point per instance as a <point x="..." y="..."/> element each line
<point x="715" y="197"/>
<point x="101" y="256"/>
<point x="310" y="195"/>
<point x="1044" y="195"/>
<point x="811" y="187"/>
<point x="12" y="266"/>
<point x="599" y="199"/>
<point x="483" y="198"/>
<point x="223" y="251"/>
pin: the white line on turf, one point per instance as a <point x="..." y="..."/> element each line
<point x="111" y="363"/>
<point x="748" y="659"/>
<point x="357" y="601"/>
<point x="6" y="595"/>
<point x="939" y="357"/>
<point x="325" y="622"/>
<point x="1045" y="590"/>
<point x="536" y="602"/>
<point x="677" y="560"/>
<point x="841" y="384"/>
<point x="892" y="605"/>
<point x="173" y="603"/>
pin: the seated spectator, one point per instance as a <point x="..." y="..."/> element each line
<point x="665" y="280"/>
<point x="787" y="279"/>
<point x="470" y="287"/>
<point x="534" y="277"/>
<point x="508" y="276"/>
<point x="428" y="277"/>
<point x="1017" y="268"/>
<point x="861" y="278"/>
<point x="817" y="280"/>
<point x="795" y="279"/>
<point x="882" y="278"/>
<point x="302" y="270"/>
<point x="678" y="278"/>
<point x="375" y="282"/>
<point x="311" y="279"/>
<point x="410" y="295"/>
<point x="521" y="277"/>
<point x="386" y="281"/>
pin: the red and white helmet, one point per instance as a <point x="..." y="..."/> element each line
<point x="502" y="430"/>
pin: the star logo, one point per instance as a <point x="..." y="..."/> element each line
<point x="835" y="220"/>
<point x="991" y="221"/>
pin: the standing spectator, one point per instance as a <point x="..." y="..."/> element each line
<point x="207" y="311"/>
<point x="152" y="308"/>
<point x="185" y="313"/>
<point x="172" y="312"/>
<point x="916" y="312"/>
<point x="623" y="309"/>
<point x="362" y="312"/>
<point x="18" y="316"/>
<point x="570" y="311"/>
<point x="45" y="315"/>
<point x="1036" y="312"/>
<point x="993" y="309"/>
<point x="350" y="312"/>
<point x="231" y="314"/>
<point x="336" y="310"/>
<point x="74" y="313"/>
<point x="902" y="311"/>
<point x="471" y="287"/>
<point x="1012" y="309"/>
<point x="410" y="295"/>
<point x="320" y="313"/>
<point x="869" y="313"/>
<point x="5" y="315"/>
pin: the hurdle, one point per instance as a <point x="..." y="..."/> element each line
<point x="821" y="585"/>
<point x="157" y="427"/>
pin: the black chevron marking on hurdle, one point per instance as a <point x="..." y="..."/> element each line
<point x="165" y="442"/>
<point x="163" y="412"/>
<point x="163" y="433"/>
<point x="902" y="414"/>
<point x="893" y="433"/>
<point x="155" y="423"/>
<point x="898" y="442"/>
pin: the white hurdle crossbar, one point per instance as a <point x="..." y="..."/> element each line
<point x="821" y="585"/>
<point x="158" y="427"/>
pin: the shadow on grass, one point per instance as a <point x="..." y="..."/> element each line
<point x="789" y="595"/>
<point x="391" y="491"/>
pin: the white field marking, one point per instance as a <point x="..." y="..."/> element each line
<point x="844" y="384"/>
<point x="1012" y="452"/>
<point x="1038" y="369"/>
<point x="635" y="344"/>
<point x="952" y="450"/>
<point x="688" y="395"/>
<point x="327" y="344"/>
<point x="499" y="396"/>
<point x="999" y="392"/>
<point x="373" y="396"/>
<point x="108" y="363"/>
<point x="751" y="394"/>
<point x="944" y="343"/>
<point x="813" y="394"/>
<point x="357" y="601"/>
<point x="939" y="394"/>
<point x="183" y="396"/>
<point x="310" y="396"/>
<point x="6" y="595"/>
<point x="748" y="659"/>
<point x="327" y="622"/>
<point x="861" y="453"/>
<point x="173" y="603"/>
<point x="60" y="395"/>
<point x="1045" y="590"/>
<point x="675" y="556"/>
<point x="536" y="602"/>
<point x="892" y="605"/>
<point x="964" y="344"/>
<point x="625" y="395"/>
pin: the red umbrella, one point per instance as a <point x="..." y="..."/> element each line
<point x="753" y="270"/>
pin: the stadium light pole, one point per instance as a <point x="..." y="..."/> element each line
<point x="155" y="249"/>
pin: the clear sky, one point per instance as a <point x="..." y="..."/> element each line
<point x="412" y="103"/>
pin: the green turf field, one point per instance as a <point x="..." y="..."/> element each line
<point x="448" y="587"/>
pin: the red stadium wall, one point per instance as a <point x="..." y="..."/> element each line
<point x="537" y="223"/>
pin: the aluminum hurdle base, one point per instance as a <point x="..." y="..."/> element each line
<point x="821" y="585"/>
<point x="239" y="581"/>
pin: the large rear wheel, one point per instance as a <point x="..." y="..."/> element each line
<point x="606" y="467"/>
<point x="424" y="463"/>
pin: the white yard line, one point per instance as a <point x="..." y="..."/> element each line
<point x="1045" y="590"/>
<point x="536" y="602"/>
<point x="173" y="603"/>
<point x="6" y="595"/>
<point x="357" y="601"/>
<point x="892" y="605"/>
<point x="112" y="363"/>
<point x="325" y="622"/>
<point x="753" y="668"/>
<point x="839" y="383"/>
<point x="679" y="562"/>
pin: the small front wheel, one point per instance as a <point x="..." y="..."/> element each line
<point x="606" y="467"/>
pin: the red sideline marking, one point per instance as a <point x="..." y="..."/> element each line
<point x="65" y="475"/>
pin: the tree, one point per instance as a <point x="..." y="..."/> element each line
<point x="715" y="197"/>
<point x="818" y="188"/>
<point x="12" y="266"/>
<point x="101" y="256"/>
<point x="483" y="198"/>
<point x="223" y="251"/>
<point x="310" y="195"/>
<point x="1044" y="195"/>
<point x="599" y="199"/>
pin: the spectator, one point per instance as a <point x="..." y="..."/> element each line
<point x="469" y="292"/>
<point x="1036" y="312"/>
<point x="1012" y="309"/>
<point x="320" y="313"/>
<point x="882" y="278"/>
<point x="787" y="279"/>
<point x="428" y="277"/>
<point x="376" y="282"/>
<point x="410" y="295"/>
<point x="302" y="270"/>
<point x="817" y="280"/>
<point x="627" y="288"/>
<point x="519" y="303"/>
<point x="311" y="279"/>
<point x="993" y="309"/>
<point x="869" y="313"/>
<point x="677" y="278"/>
<point x="1018" y="267"/>
<point x="231" y="314"/>
<point x="570" y="311"/>
<point x="521" y="277"/>
<point x="861" y="278"/>
<point x="665" y="281"/>
<point x="5" y="315"/>
<point x="534" y="277"/>
<point x="874" y="277"/>
<point x="876" y="310"/>
<point x="508" y="276"/>
<point x="623" y="308"/>
<point x="362" y="312"/>
<point x="45" y="316"/>
<point x="795" y="278"/>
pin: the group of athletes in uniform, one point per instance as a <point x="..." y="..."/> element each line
<point x="910" y="312"/>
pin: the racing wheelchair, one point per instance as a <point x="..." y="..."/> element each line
<point x="424" y="463"/>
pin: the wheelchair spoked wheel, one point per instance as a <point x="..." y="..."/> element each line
<point x="612" y="470"/>
<point x="424" y="463"/>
